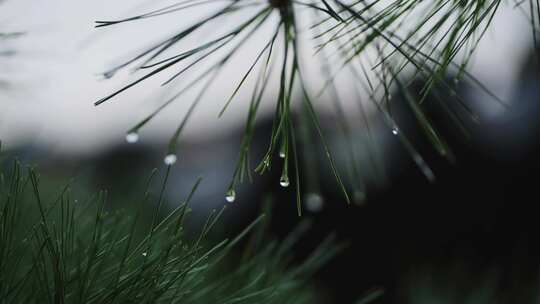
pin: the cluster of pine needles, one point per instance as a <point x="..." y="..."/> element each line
<point x="58" y="249"/>
<point x="381" y="45"/>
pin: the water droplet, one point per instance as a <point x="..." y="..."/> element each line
<point x="426" y="170"/>
<point x="395" y="130"/>
<point x="230" y="196"/>
<point x="282" y="154"/>
<point x="359" y="197"/>
<point x="284" y="181"/>
<point x="144" y="254"/>
<point x="170" y="159"/>
<point x="132" y="137"/>
<point x="314" y="202"/>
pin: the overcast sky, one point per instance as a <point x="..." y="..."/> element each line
<point x="56" y="80"/>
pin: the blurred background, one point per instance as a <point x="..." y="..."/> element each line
<point x="468" y="237"/>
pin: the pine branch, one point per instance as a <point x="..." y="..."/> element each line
<point x="377" y="43"/>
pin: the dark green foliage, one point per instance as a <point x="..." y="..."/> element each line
<point x="62" y="250"/>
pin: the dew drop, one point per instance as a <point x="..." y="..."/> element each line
<point x="282" y="154"/>
<point x="426" y="170"/>
<point x="230" y="196"/>
<point x="170" y="159"/>
<point x="395" y="130"/>
<point x="132" y="137"/>
<point x="284" y="181"/>
<point x="144" y="254"/>
<point x="314" y="202"/>
<point x="359" y="197"/>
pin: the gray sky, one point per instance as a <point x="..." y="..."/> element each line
<point x="56" y="75"/>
